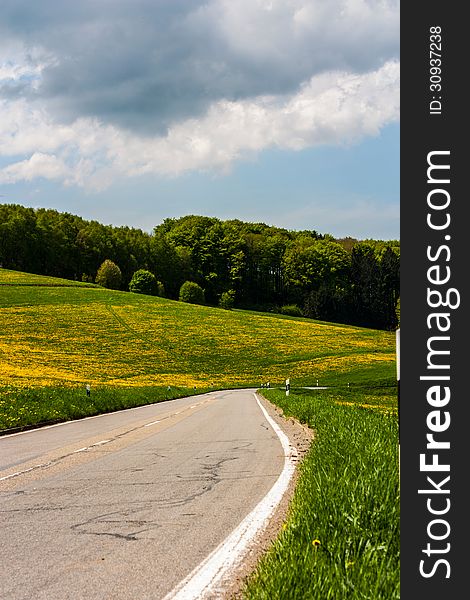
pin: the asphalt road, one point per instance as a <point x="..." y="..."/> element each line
<point x="124" y="506"/>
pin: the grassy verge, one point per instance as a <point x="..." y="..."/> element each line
<point x="342" y="537"/>
<point x="26" y="407"/>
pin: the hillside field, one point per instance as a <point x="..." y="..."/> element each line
<point x="54" y="332"/>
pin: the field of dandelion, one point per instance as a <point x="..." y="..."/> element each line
<point x="52" y="334"/>
<point x="56" y="334"/>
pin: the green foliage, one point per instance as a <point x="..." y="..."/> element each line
<point x="316" y="277"/>
<point x="346" y="280"/>
<point x="160" y="289"/>
<point x="291" y="309"/>
<point x="310" y="263"/>
<point x="227" y="299"/>
<point x="342" y="537"/>
<point x="375" y="284"/>
<point x="109" y="275"/>
<point x="192" y="293"/>
<point x="144" y="282"/>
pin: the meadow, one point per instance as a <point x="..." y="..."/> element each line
<point x="57" y="334"/>
<point x="341" y="540"/>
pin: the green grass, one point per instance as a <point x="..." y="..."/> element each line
<point x="24" y="407"/>
<point x="342" y="536"/>
<point x="15" y="278"/>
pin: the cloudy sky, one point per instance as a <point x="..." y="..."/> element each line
<point x="131" y="111"/>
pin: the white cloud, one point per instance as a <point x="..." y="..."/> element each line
<point x="330" y="108"/>
<point x="25" y="129"/>
<point x="39" y="165"/>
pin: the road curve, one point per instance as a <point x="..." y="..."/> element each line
<point x="127" y="505"/>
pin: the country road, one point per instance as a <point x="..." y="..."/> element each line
<point x="126" y="505"/>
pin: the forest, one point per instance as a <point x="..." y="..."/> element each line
<point x="258" y="266"/>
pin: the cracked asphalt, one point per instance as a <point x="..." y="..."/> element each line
<point x="126" y="505"/>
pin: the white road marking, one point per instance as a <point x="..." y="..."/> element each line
<point x="40" y="466"/>
<point x="153" y="423"/>
<point x="48" y="464"/>
<point x="18" y="473"/>
<point x="207" y="577"/>
<point x="92" y="446"/>
<point x="43" y="427"/>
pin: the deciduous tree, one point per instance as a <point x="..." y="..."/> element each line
<point x="109" y="275"/>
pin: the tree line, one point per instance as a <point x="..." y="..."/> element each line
<point x="254" y="265"/>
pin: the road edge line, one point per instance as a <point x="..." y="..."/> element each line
<point x="208" y="575"/>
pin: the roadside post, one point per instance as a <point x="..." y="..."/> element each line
<point x="287" y="386"/>
<point x="88" y="389"/>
